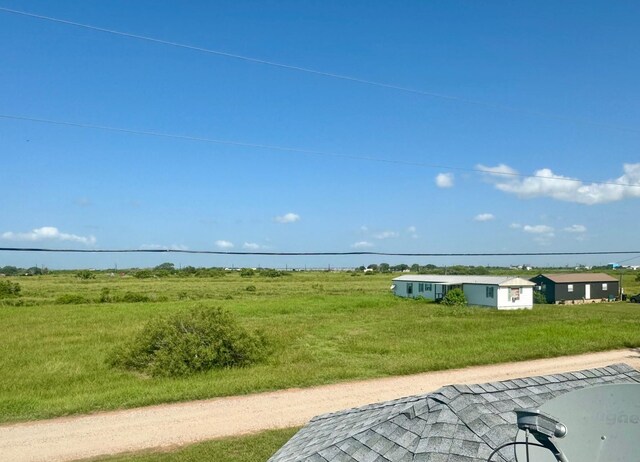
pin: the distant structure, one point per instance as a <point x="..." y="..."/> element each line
<point x="501" y="292"/>
<point x="457" y="423"/>
<point x="577" y="287"/>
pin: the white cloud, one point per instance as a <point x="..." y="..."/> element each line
<point x="250" y="246"/>
<point x="364" y="229"/>
<point x="576" y="229"/>
<point x="48" y="233"/>
<point x="163" y="247"/>
<point x="545" y="183"/>
<point x="444" y="180"/>
<point x="538" y="229"/>
<point x="543" y="234"/>
<point x="498" y="170"/>
<point x="362" y="245"/>
<point x="413" y="231"/>
<point x="484" y="217"/>
<point x="224" y="244"/>
<point x="385" y="235"/>
<point x="287" y="218"/>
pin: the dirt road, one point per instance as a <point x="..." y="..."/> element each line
<point x="74" y="438"/>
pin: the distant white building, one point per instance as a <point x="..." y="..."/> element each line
<point x="501" y="292"/>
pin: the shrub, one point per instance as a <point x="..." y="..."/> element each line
<point x="85" y="274"/>
<point x="134" y="297"/>
<point x="105" y="295"/>
<point x="251" y="288"/>
<point x="189" y="342"/>
<point x="9" y="289"/>
<point x="143" y="274"/>
<point x="271" y="273"/>
<point x="539" y="297"/>
<point x="71" y="299"/>
<point x="454" y="297"/>
<point x="247" y="272"/>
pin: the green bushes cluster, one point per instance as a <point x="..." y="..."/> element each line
<point x="247" y="272"/>
<point x="190" y="342"/>
<point x="454" y="297"/>
<point x="9" y="289"/>
<point x="539" y="298"/>
<point x="71" y="299"/>
<point x="85" y="274"/>
<point x="134" y="297"/>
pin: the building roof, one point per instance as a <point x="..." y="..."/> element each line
<point x="579" y="277"/>
<point x="457" y="423"/>
<point x="502" y="281"/>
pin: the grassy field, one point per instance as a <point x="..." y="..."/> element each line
<point x="325" y="327"/>
<point x="251" y="448"/>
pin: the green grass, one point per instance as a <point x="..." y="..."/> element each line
<point x="325" y="328"/>
<point x="251" y="448"/>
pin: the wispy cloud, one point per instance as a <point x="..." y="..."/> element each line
<point x="222" y="244"/>
<point x="362" y="245"/>
<point x="576" y="229"/>
<point x="545" y="183"/>
<point x="542" y="234"/>
<point x="287" y="218"/>
<point x="484" y="217"/>
<point x="250" y="246"/>
<point x="163" y="247"/>
<point x="444" y="180"/>
<point x="538" y="229"/>
<point x="413" y="231"/>
<point x="386" y="235"/>
<point x="48" y="233"/>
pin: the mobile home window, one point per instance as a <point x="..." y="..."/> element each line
<point x="420" y="287"/>
<point x="428" y="287"/>
<point x="570" y="288"/>
<point x="514" y="293"/>
<point x="604" y="286"/>
<point x="409" y="288"/>
<point x="490" y="292"/>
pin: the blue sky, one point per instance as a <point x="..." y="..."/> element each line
<point x="546" y="89"/>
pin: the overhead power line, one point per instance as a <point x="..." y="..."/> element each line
<point x="332" y="75"/>
<point x="299" y="150"/>
<point x="389" y="254"/>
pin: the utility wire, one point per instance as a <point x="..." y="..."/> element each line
<point x="390" y="254"/>
<point x="300" y="150"/>
<point x="332" y="75"/>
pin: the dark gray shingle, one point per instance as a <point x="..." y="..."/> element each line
<point x="458" y="423"/>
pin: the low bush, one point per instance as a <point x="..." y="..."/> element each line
<point x="105" y="295"/>
<point x="143" y="274"/>
<point x="454" y="297"/>
<point x="133" y="297"/>
<point x="71" y="299"/>
<point x="9" y="289"/>
<point x="85" y="274"/>
<point x="247" y="272"/>
<point x="272" y="273"/>
<point x="189" y="342"/>
<point x="250" y="288"/>
<point x="539" y="298"/>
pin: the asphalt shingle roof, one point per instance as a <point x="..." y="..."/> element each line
<point x="457" y="423"/>
<point x="580" y="277"/>
<point x="504" y="281"/>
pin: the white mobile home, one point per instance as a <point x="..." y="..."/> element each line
<point x="501" y="292"/>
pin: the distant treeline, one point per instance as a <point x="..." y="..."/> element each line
<point x="169" y="269"/>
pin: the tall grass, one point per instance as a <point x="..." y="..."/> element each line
<point x="324" y="328"/>
<point x="249" y="448"/>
